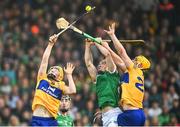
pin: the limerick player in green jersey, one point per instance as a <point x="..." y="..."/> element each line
<point x="63" y="118"/>
<point x="107" y="82"/>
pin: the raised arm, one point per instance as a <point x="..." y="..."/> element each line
<point x="119" y="47"/>
<point x="45" y="58"/>
<point x="117" y="60"/>
<point x="109" y="61"/>
<point x="89" y="61"/>
<point x="71" y="89"/>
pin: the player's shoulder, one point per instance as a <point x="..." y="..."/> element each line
<point x="60" y="84"/>
<point x="135" y="70"/>
<point x="139" y="71"/>
<point x="42" y="80"/>
<point x="42" y="77"/>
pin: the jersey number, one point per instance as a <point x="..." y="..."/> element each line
<point x="125" y="79"/>
<point x="138" y="85"/>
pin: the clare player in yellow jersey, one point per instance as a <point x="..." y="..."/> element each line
<point x="49" y="89"/>
<point x="132" y="84"/>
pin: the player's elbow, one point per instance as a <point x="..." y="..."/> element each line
<point x="73" y="91"/>
<point x="70" y="91"/>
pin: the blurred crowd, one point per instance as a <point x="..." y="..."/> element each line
<point x="25" y="27"/>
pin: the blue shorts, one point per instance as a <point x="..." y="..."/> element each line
<point x="43" y="121"/>
<point x="131" y="118"/>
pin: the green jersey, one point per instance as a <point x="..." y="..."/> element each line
<point x="107" y="89"/>
<point x="64" y="120"/>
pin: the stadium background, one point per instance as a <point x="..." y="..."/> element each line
<point x="25" y="26"/>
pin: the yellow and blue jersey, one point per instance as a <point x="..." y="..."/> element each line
<point x="48" y="94"/>
<point x="132" y="87"/>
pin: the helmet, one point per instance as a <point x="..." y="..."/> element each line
<point x="61" y="73"/>
<point x="143" y="61"/>
<point x="66" y="97"/>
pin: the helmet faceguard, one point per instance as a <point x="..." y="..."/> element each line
<point x="66" y="97"/>
<point x="55" y="76"/>
<point x="143" y="61"/>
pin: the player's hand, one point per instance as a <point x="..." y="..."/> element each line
<point x="89" y="42"/>
<point x="69" y="68"/>
<point x="53" y="39"/>
<point x="105" y="44"/>
<point x="111" y="30"/>
<point x="99" y="39"/>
